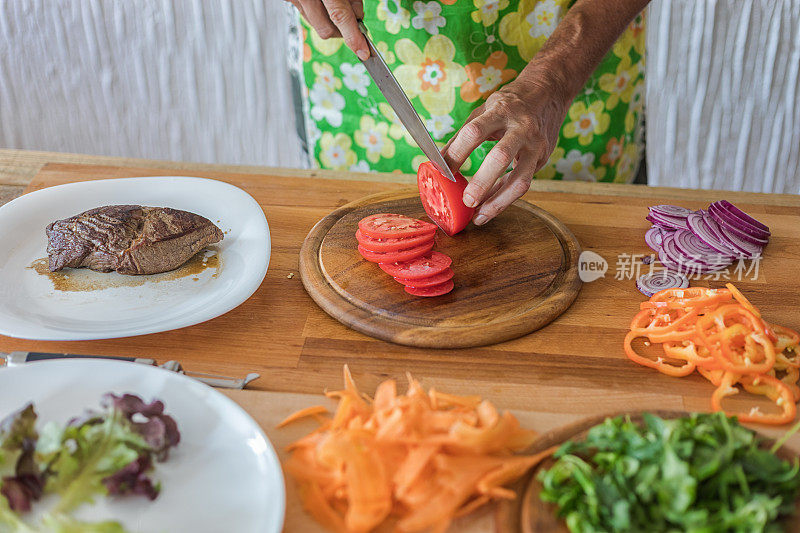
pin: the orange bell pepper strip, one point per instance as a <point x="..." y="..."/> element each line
<point x="664" y="326"/>
<point x="744" y="357"/>
<point x="726" y="327"/>
<point x="790" y="378"/>
<point x="785" y="339"/>
<point x="739" y="297"/>
<point x="659" y="363"/>
<point x="690" y="351"/>
<point x="714" y="376"/>
<point x="772" y="388"/>
<point x="697" y="297"/>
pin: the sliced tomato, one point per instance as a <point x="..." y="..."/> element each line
<point x="443" y="199"/>
<point x="392" y="226"/>
<point x="435" y="290"/>
<point x="395" y="257"/>
<point x="421" y="267"/>
<point x="393" y="245"/>
<point x="436" y="279"/>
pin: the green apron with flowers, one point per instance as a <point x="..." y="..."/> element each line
<point x="449" y="56"/>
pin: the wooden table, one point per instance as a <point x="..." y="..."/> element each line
<point x="571" y="368"/>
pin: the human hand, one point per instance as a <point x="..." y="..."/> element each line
<point x="336" y="18"/>
<point x="525" y="117"/>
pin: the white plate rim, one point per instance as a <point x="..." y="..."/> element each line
<point x="43" y="333"/>
<point x="276" y="525"/>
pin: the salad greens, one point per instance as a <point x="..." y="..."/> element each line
<point x="110" y="452"/>
<point x="702" y="473"/>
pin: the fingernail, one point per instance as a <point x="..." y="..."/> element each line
<point x="469" y="201"/>
<point x="363" y="55"/>
<point x="480" y="220"/>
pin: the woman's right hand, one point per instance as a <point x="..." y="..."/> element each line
<point x="336" y="18"/>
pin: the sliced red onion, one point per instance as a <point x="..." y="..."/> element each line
<point x="671" y="210"/>
<point x="722" y="212"/>
<point x="714" y="227"/>
<point x="654" y="238"/>
<point x="649" y="284"/>
<point x="704" y="241"/>
<point x="693" y="247"/>
<point x="700" y="227"/>
<point x="686" y="263"/>
<point x="742" y="215"/>
<point x="748" y="249"/>
<point x="662" y="225"/>
<point x="668" y="263"/>
<point x="723" y="218"/>
<point x="672" y="222"/>
<point x="739" y="233"/>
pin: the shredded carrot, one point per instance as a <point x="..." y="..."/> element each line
<point x="412" y="461"/>
<point x="303" y="413"/>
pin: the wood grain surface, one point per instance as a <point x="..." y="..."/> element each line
<point x="568" y="370"/>
<point x="513" y="276"/>
<point x="573" y="366"/>
<point x="269" y="408"/>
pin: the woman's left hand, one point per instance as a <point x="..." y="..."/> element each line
<point x="525" y="117"/>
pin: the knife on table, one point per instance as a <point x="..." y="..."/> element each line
<point x="397" y="98"/>
<point x="19" y="358"/>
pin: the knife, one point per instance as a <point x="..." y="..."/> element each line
<point x="397" y="98"/>
<point x="18" y="358"/>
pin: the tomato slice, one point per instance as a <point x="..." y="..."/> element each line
<point x="421" y="267"/>
<point x="435" y="290"/>
<point x="443" y="199"/>
<point x="395" y="257"/>
<point x="436" y="279"/>
<point x="392" y="226"/>
<point x="393" y="245"/>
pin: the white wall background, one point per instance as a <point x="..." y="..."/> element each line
<point x="206" y="80"/>
<point x="193" y="80"/>
<point x="723" y="94"/>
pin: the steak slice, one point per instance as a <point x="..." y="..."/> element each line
<point x="129" y="239"/>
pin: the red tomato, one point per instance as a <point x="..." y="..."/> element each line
<point x="442" y="198"/>
<point x="395" y="257"/>
<point x="435" y="290"/>
<point x="436" y="279"/>
<point x="393" y="245"/>
<point x="391" y="226"/>
<point x="421" y="267"/>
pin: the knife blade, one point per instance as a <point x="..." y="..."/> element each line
<point x="394" y="94"/>
<point x="18" y="358"/>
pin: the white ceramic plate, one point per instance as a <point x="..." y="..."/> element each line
<point x="223" y="476"/>
<point x="32" y="308"/>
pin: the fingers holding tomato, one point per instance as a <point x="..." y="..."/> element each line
<point x="525" y="117"/>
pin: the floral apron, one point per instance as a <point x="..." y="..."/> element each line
<point x="449" y="56"/>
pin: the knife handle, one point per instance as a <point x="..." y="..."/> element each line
<point x="39" y="356"/>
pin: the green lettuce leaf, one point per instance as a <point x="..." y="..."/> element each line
<point x="63" y="523"/>
<point x="701" y="473"/>
<point x="86" y="455"/>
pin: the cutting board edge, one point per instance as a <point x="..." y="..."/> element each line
<point x="333" y="303"/>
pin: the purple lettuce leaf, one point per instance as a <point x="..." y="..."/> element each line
<point x="133" y="479"/>
<point x="159" y="430"/>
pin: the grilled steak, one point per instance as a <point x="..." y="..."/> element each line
<point x="131" y="239"/>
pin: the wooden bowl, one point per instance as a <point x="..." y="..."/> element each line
<point x="529" y="514"/>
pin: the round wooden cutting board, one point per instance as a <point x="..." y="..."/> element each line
<point x="512" y="276"/>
